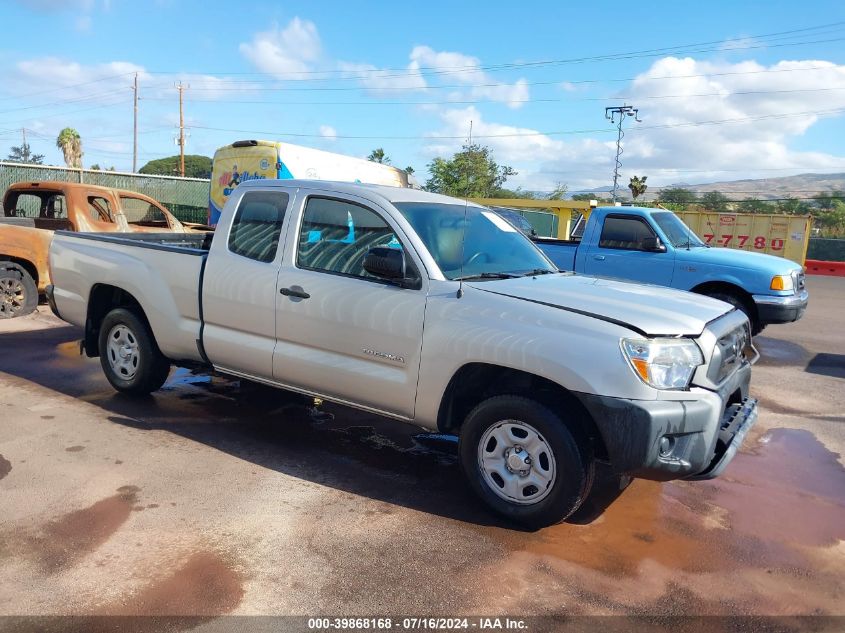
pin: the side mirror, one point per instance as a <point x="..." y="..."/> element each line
<point x="385" y="263"/>
<point x="652" y="245"/>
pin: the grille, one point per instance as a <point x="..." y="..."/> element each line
<point x="729" y="354"/>
<point x="798" y="280"/>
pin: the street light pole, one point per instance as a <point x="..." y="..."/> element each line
<point x="611" y="114"/>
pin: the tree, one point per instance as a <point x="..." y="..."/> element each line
<point x="637" y="186"/>
<point x="196" y="166"/>
<point x="558" y="193"/>
<point x="714" y="201"/>
<point x="472" y="172"/>
<point x="832" y="219"/>
<point x="378" y="156"/>
<point x="70" y="143"/>
<point x="826" y="200"/>
<point x="755" y="206"/>
<point x="22" y="154"/>
<point x="792" y="206"/>
<point x="677" y="195"/>
<point x="409" y="170"/>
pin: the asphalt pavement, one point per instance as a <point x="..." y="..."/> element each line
<point x="212" y="498"/>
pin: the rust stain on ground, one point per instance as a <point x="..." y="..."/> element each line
<point x="776" y="512"/>
<point x="206" y="584"/>
<point x="788" y="489"/>
<point x="5" y="467"/>
<point x="67" y="539"/>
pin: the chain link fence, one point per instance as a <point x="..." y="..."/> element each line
<point x="826" y="250"/>
<point x="186" y="198"/>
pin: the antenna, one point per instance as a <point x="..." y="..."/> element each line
<point x="466" y="206"/>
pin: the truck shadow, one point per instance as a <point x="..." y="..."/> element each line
<point x="349" y="450"/>
<point x="832" y="365"/>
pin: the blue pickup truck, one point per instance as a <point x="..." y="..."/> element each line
<point x="654" y="246"/>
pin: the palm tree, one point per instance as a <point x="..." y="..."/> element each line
<point x="377" y="156"/>
<point x="638" y="186"/>
<point x="70" y="143"/>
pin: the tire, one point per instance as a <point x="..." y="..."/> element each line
<point x="129" y="355"/>
<point x="740" y="305"/>
<point x="18" y="292"/>
<point x="561" y="462"/>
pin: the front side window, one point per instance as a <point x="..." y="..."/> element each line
<point x="258" y="224"/>
<point x="624" y="232"/>
<point x="139" y="211"/>
<point x="336" y="235"/>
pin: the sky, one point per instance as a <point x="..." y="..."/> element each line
<point x="725" y="90"/>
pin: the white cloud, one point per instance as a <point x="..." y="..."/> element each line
<point x="73" y="79"/>
<point x="328" y="132"/>
<point x="285" y="53"/>
<point x="383" y="81"/>
<point x="457" y="68"/>
<point x="429" y="67"/>
<point x="771" y="109"/>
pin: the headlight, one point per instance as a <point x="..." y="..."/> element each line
<point x="782" y="282"/>
<point x="663" y="363"/>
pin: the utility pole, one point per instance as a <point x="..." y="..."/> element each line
<point x="610" y="114"/>
<point x="181" y="89"/>
<point x="23" y="133"/>
<point x="135" y="130"/>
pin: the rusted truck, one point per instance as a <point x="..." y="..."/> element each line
<point x="32" y="211"/>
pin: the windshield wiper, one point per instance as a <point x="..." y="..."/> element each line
<point x="487" y="276"/>
<point x="539" y="271"/>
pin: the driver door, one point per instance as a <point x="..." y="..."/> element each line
<point x="341" y="332"/>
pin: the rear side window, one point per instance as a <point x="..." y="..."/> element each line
<point x="99" y="209"/>
<point x="335" y="236"/>
<point x="258" y="225"/>
<point x="626" y="232"/>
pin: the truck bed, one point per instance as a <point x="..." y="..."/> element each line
<point x="561" y="252"/>
<point x="162" y="272"/>
<point x="188" y="243"/>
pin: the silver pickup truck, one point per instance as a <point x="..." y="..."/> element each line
<point x="429" y="310"/>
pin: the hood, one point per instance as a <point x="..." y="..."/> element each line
<point x="734" y="258"/>
<point x="650" y="310"/>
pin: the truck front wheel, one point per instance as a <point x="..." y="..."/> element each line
<point x="129" y="355"/>
<point x="520" y="458"/>
<point x="740" y="305"/>
<point x="18" y="292"/>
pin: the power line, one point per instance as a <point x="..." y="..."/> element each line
<point x="375" y="102"/>
<point x="276" y="133"/>
<point x="344" y="74"/>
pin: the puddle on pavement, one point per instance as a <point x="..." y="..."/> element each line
<point x="204" y="585"/>
<point x="66" y="539"/>
<point x="776" y="352"/>
<point x="785" y="495"/>
<point x="5" y="467"/>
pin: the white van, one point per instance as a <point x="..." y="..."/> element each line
<point x="259" y="160"/>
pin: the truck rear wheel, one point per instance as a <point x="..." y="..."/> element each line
<point x="18" y="292"/>
<point x="523" y="462"/>
<point x="129" y="355"/>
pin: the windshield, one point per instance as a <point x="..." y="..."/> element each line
<point x="678" y="233"/>
<point x="468" y="241"/>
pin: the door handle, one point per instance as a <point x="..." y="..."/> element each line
<point x="294" y="291"/>
<point x="599" y="258"/>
